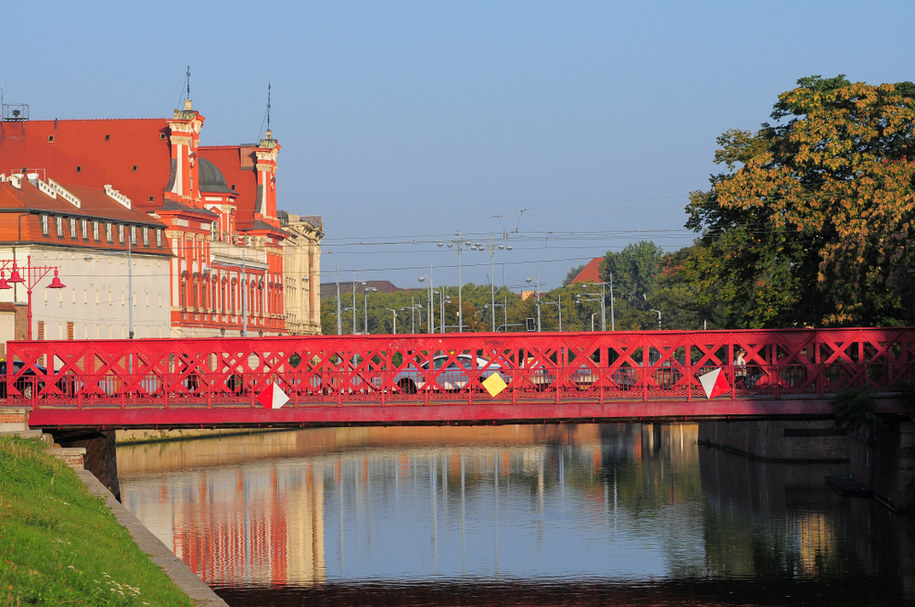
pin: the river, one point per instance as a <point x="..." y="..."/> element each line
<point x="577" y="514"/>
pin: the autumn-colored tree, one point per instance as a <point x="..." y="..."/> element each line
<point x="812" y="222"/>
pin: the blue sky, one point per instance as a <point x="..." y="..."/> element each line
<point x="403" y="122"/>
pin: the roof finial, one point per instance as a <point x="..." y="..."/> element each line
<point x="269" y="132"/>
<point x="187" y="80"/>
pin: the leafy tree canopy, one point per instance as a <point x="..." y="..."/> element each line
<point x="812" y="222"/>
<point x="634" y="271"/>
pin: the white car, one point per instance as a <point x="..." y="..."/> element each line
<point x="444" y="375"/>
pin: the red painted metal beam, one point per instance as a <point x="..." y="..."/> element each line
<point x="438" y="378"/>
<point x="442" y="414"/>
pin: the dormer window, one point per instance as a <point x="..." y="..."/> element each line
<point x="107" y="137"/>
<point x="44" y="225"/>
<point x="50" y="138"/>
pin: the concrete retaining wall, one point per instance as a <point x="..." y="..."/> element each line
<point x="778" y="440"/>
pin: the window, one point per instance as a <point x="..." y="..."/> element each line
<point x="134" y="168"/>
<point x="50" y="138"/>
<point x="159" y="238"/>
<point x="108" y="234"/>
<point x="121" y="233"/>
<point x="95" y="231"/>
<point x="84" y="225"/>
<point x="133" y="235"/>
<point x="145" y="236"/>
<point x="73" y="228"/>
<point x="214" y="230"/>
<point x="107" y="137"/>
<point x="79" y="169"/>
<point x="59" y="224"/>
<point x="44" y="225"/>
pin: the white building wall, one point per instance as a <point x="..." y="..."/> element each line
<point x="95" y="297"/>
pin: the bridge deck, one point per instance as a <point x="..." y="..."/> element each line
<point x="453" y="378"/>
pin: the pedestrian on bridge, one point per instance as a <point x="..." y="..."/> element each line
<point x="740" y="369"/>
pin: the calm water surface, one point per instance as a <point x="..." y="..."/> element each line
<point x="615" y="514"/>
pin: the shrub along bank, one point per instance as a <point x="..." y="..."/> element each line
<point x="60" y="545"/>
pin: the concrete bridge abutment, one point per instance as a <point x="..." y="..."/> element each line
<point x="101" y="456"/>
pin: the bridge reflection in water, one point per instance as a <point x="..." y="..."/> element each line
<point x="452" y="378"/>
<point x="583" y="514"/>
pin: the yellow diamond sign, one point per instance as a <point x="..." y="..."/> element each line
<point x="494" y="384"/>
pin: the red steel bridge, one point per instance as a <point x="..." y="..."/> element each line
<point x="445" y="379"/>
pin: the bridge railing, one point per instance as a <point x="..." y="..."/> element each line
<point x="424" y="369"/>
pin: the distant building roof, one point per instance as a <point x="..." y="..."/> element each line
<point x="589" y="273"/>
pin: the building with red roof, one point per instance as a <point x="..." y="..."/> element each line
<point x="87" y="238"/>
<point x="216" y="207"/>
<point x="590" y="273"/>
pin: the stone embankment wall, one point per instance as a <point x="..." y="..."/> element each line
<point x="883" y="459"/>
<point x="778" y="440"/>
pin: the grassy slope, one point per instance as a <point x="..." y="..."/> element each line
<point x="59" y="545"/>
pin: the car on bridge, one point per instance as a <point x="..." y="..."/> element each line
<point x="27" y="384"/>
<point x="445" y="374"/>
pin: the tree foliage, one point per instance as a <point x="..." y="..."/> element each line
<point x="812" y="222"/>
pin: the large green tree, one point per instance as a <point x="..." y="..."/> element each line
<point x="812" y="221"/>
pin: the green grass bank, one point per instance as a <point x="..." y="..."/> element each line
<point x="60" y="545"/>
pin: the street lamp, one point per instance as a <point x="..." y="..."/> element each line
<point x="492" y="280"/>
<point x="461" y="243"/>
<point x="504" y="307"/>
<point x="33" y="276"/>
<point x="558" y="304"/>
<point x="365" y="304"/>
<point x="659" y="318"/>
<point x="394" y="312"/>
<point x="595" y="297"/>
<point x="431" y="324"/>
<point x="354" y="302"/>
<point x="603" y="303"/>
<point x="536" y="295"/>
<point x="443" y="299"/>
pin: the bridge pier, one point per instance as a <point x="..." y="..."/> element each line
<point x="101" y="457"/>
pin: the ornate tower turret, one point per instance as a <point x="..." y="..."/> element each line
<point x="184" y="184"/>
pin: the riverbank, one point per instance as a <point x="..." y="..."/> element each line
<point x="64" y="539"/>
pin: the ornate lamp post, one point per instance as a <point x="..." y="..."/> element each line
<point x="33" y="276"/>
